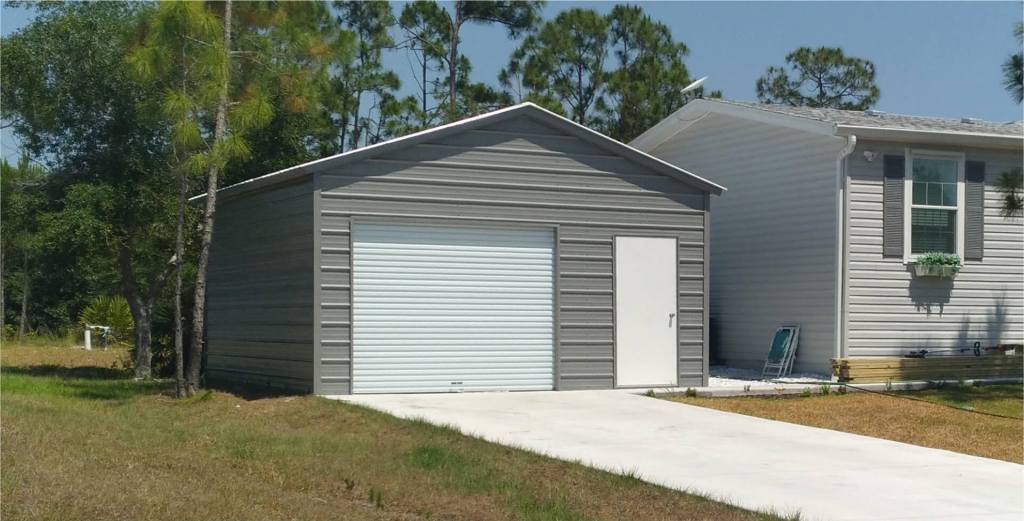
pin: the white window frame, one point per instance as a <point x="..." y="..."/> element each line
<point x="908" y="197"/>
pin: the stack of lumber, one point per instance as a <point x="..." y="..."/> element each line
<point x="894" y="369"/>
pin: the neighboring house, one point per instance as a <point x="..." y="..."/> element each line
<point x="515" y="250"/>
<point x="825" y="214"/>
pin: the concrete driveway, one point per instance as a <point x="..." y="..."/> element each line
<point x="746" y="461"/>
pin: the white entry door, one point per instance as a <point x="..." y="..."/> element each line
<point x="440" y="308"/>
<point x="646" y="327"/>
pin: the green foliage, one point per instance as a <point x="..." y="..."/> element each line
<point x="822" y="77"/>
<point x="1010" y="185"/>
<point x="563" y="64"/>
<point x="646" y="87"/>
<point x="938" y="259"/>
<point x="619" y="73"/>
<point x="73" y="103"/>
<point x="362" y="85"/>
<point x="113" y="312"/>
<point x="1013" y="67"/>
<point x="434" y="36"/>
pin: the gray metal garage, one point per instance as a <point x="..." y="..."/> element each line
<point x="515" y="250"/>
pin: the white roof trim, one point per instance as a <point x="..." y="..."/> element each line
<point x="932" y="136"/>
<point x="297" y="171"/>
<point x="695" y="110"/>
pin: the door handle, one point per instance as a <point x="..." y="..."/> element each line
<point x="670" y="317"/>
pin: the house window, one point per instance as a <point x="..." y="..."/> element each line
<point x="935" y="191"/>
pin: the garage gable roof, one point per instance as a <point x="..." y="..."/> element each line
<point x="528" y="109"/>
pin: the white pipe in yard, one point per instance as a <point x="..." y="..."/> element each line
<point x="88" y="339"/>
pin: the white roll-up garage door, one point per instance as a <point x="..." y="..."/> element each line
<point x="451" y="308"/>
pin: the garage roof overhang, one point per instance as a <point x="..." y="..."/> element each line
<point x="523" y="109"/>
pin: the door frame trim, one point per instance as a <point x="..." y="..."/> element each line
<point x="615" y="308"/>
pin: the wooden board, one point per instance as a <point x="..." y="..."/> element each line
<point x="885" y="369"/>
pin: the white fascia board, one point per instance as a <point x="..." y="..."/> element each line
<point x="697" y="109"/>
<point x="933" y="137"/>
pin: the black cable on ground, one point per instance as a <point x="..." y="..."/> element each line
<point x="906" y="397"/>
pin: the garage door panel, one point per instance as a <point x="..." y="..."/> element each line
<point x="452" y="308"/>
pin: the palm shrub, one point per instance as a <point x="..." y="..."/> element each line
<point x="111" y="311"/>
<point x="1010" y="184"/>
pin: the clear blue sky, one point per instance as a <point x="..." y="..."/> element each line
<point x="932" y="58"/>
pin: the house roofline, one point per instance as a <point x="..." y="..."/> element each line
<point x="529" y="109"/>
<point x="694" y="111"/>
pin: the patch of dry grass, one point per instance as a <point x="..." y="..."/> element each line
<point x="897" y="419"/>
<point x="94" y="445"/>
<point x="62" y="357"/>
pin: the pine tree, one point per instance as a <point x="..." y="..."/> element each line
<point x="1013" y="67"/>
<point x="222" y="68"/>
<point x="564" y="64"/>
<point x="435" y="35"/>
<point x="363" y="82"/>
<point x="822" y="77"/>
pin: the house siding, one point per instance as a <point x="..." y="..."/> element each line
<point x="260" y="290"/>
<point x="889" y="311"/>
<point x="518" y="172"/>
<point x="774" y="257"/>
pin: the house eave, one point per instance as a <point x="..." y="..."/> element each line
<point x="928" y="137"/>
<point x="696" y="110"/>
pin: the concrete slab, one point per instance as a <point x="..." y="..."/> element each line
<point x="749" y="462"/>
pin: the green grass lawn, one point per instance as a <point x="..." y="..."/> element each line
<point x="81" y="441"/>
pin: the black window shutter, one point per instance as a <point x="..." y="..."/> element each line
<point x="974" y="210"/>
<point x="892" y="205"/>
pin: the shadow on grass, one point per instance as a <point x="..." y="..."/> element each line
<point x="84" y="373"/>
<point x="964" y="393"/>
<point x="250" y="392"/>
<point x="91" y="383"/>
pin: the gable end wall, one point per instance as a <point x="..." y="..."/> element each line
<point x="521" y="172"/>
<point x="774" y="255"/>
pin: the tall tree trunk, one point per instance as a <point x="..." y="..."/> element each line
<point x="141" y="307"/>
<point x="423" y="118"/>
<point x="143" y="342"/>
<point x="192" y="378"/>
<point x="179" y="254"/>
<point x="453" y="65"/>
<point x="25" y="285"/>
<point x="3" y="301"/>
<point x="143" y="332"/>
<point x="356" y="132"/>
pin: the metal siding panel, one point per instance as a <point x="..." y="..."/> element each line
<point x="260" y="300"/>
<point x="437" y="305"/>
<point x="892" y="312"/>
<point x="510" y="212"/>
